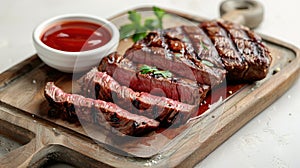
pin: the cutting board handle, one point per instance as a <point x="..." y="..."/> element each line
<point x="246" y="12"/>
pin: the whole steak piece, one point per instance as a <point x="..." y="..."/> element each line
<point x="244" y="56"/>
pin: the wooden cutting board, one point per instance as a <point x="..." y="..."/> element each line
<point x="23" y="115"/>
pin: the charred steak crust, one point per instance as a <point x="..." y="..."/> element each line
<point x="100" y="85"/>
<point x="98" y="112"/>
<point x="242" y="51"/>
<point x="127" y="73"/>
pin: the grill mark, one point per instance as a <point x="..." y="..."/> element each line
<point x="210" y="53"/>
<point x="165" y="46"/>
<point x="169" y="53"/>
<point x="205" y="31"/>
<point x="250" y="48"/>
<point x="263" y="51"/>
<point x="230" y="56"/>
<point x="186" y="58"/>
<point x="229" y="36"/>
<point x="189" y="45"/>
<point x="248" y="68"/>
<point x="236" y="47"/>
<point x="189" y="49"/>
<point x="190" y="54"/>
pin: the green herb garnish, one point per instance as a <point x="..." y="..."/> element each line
<point x="136" y="29"/>
<point x="159" y="13"/>
<point x="203" y="45"/>
<point x="178" y="54"/>
<point x="145" y="69"/>
<point x="165" y="74"/>
<point x="208" y="63"/>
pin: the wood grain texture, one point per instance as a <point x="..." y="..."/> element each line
<point x="23" y="105"/>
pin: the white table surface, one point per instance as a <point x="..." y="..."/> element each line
<point x="272" y="139"/>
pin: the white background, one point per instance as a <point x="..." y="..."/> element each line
<point x="269" y="140"/>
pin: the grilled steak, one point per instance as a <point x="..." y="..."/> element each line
<point x="127" y="73"/>
<point x="180" y="52"/>
<point x="99" y="85"/>
<point x="98" y="112"/>
<point x="204" y="53"/>
<point x="243" y="54"/>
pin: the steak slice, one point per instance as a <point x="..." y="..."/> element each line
<point x="98" y="112"/>
<point x="182" y="51"/>
<point x="127" y="74"/>
<point x="243" y="53"/>
<point x="102" y="86"/>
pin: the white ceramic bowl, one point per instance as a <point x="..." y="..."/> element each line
<point x="74" y="61"/>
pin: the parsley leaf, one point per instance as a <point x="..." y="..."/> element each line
<point x="151" y="24"/>
<point x="165" y="74"/>
<point x="126" y="30"/>
<point x="139" y="36"/>
<point x="138" y="30"/>
<point x="145" y="69"/>
<point x="135" y="17"/>
<point x="159" y="13"/>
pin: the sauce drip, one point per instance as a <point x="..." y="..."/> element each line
<point x="223" y="90"/>
<point x="76" y="36"/>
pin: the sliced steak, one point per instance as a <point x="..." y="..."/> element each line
<point x="99" y="85"/>
<point x="128" y="74"/>
<point x="98" y="112"/>
<point x="243" y="54"/>
<point x="181" y="50"/>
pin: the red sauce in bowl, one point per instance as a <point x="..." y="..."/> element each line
<point x="74" y="36"/>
